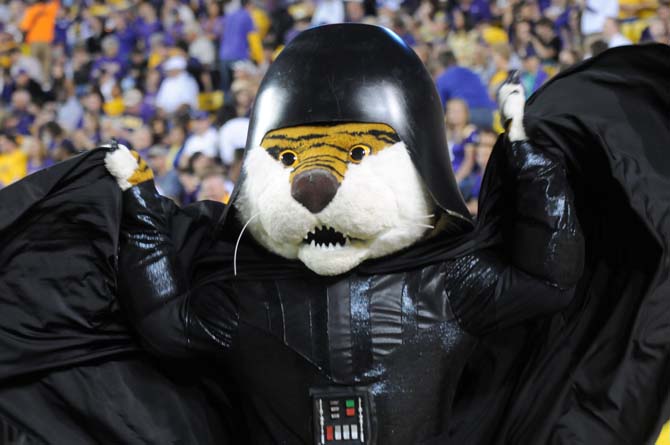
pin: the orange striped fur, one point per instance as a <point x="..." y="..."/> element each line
<point x="327" y="146"/>
<point x="142" y="173"/>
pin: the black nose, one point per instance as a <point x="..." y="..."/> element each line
<point x="314" y="189"/>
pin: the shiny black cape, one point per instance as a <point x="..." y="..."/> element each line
<point x="71" y="371"/>
<point x="598" y="372"/>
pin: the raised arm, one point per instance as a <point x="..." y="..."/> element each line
<point x="537" y="270"/>
<point x="153" y="289"/>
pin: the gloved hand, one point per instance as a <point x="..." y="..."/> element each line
<point x="511" y="103"/>
<point x="126" y="166"/>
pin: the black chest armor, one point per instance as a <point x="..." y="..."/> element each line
<point x="391" y="337"/>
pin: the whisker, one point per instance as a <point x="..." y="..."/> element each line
<point x="427" y="226"/>
<point x="237" y="244"/>
<point x="418" y="217"/>
<point x="418" y="224"/>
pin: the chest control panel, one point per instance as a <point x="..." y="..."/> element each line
<point x="341" y="416"/>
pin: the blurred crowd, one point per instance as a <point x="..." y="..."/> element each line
<point x="176" y="79"/>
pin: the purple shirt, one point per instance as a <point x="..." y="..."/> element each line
<point x="458" y="150"/>
<point x="33" y="167"/>
<point x="111" y="64"/>
<point x="60" y="31"/>
<point x="234" y="43"/>
<point x="479" y="11"/>
<point x="24" y="122"/>
<point x="127" y="38"/>
<point x="463" y="83"/>
<point x="214" y="26"/>
<point x="145" y="30"/>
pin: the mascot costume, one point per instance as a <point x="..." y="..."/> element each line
<point x="345" y="296"/>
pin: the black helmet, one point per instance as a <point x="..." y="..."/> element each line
<point x="361" y="73"/>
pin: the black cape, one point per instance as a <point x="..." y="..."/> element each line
<point x="71" y="371"/>
<point x="598" y="372"/>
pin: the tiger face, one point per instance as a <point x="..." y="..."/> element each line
<point x="333" y="195"/>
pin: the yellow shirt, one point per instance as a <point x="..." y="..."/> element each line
<point x="645" y="9"/>
<point x="13" y="166"/>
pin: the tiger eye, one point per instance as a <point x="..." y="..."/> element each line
<point x="358" y="152"/>
<point x="288" y="158"/>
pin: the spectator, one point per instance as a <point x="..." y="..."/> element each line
<point x="522" y="39"/>
<point x="141" y="140"/>
<point x="29" y="64"/>
<point x="232" y="137"/>
<point x="501" y="54"/>
<point x="38" y="25"/>
<point x="213" y="187"/>
<point x="460" y="137"/>
<point x="663" y="17"/>
<point x="235" y="169"/>
<point x="243" y="94"/>
<point x="612" y="35"/>
<point x="151" y="84"/>
<point x="146" y="24"/>
<point x="81" y="66"/>
<point x="212" y="24"/>
<point x="199" y="165"/>
<point x="238" y="28"/>
<point x="597" y="47"/>
<point x="594" y="15"/>
<point x="21" y="115"/>
<point x="118" y="25"/>
<point x="482" y="62"/>
<point x="457" y="82"/>
<point x="545" y="42"/>
<point x="203" y="139"/>
<point x="50" y="135"/>
<point x="176" y="138"/>
<point x="462" y="39"/>
<point x="567" y="58"/>
<point x="70" y="111"/>
<point x="399" y="26"/>
<point x="656" y="32"/>
<point x="532" y="74"/>
<point x="199" y="46"/>
<point x="24" y="82"/>
<point x="135" y="108"/>
<point x="165" y="177"/>
<point x="178" y="89"/>
<point x="190" y="185"/>
<point x="37" y="157"/>
<point x="65" y="150"/>
<point x="354" y="11"/>
<point x="111" y="63"/>
<point x="159" y="130"/>
<point x="328" y="11"/>
<point x="13" y="161"/>
<point x="484" y="142"/>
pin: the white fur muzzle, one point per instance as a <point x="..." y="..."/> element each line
<point x="381" y="207"/>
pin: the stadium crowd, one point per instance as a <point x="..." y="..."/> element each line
<point x="176" y="79"/>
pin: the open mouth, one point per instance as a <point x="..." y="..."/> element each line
<point x="325" y="237"/>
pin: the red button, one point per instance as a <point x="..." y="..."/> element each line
<point x="329" y="432"/>
<point x="351" y="412"/>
